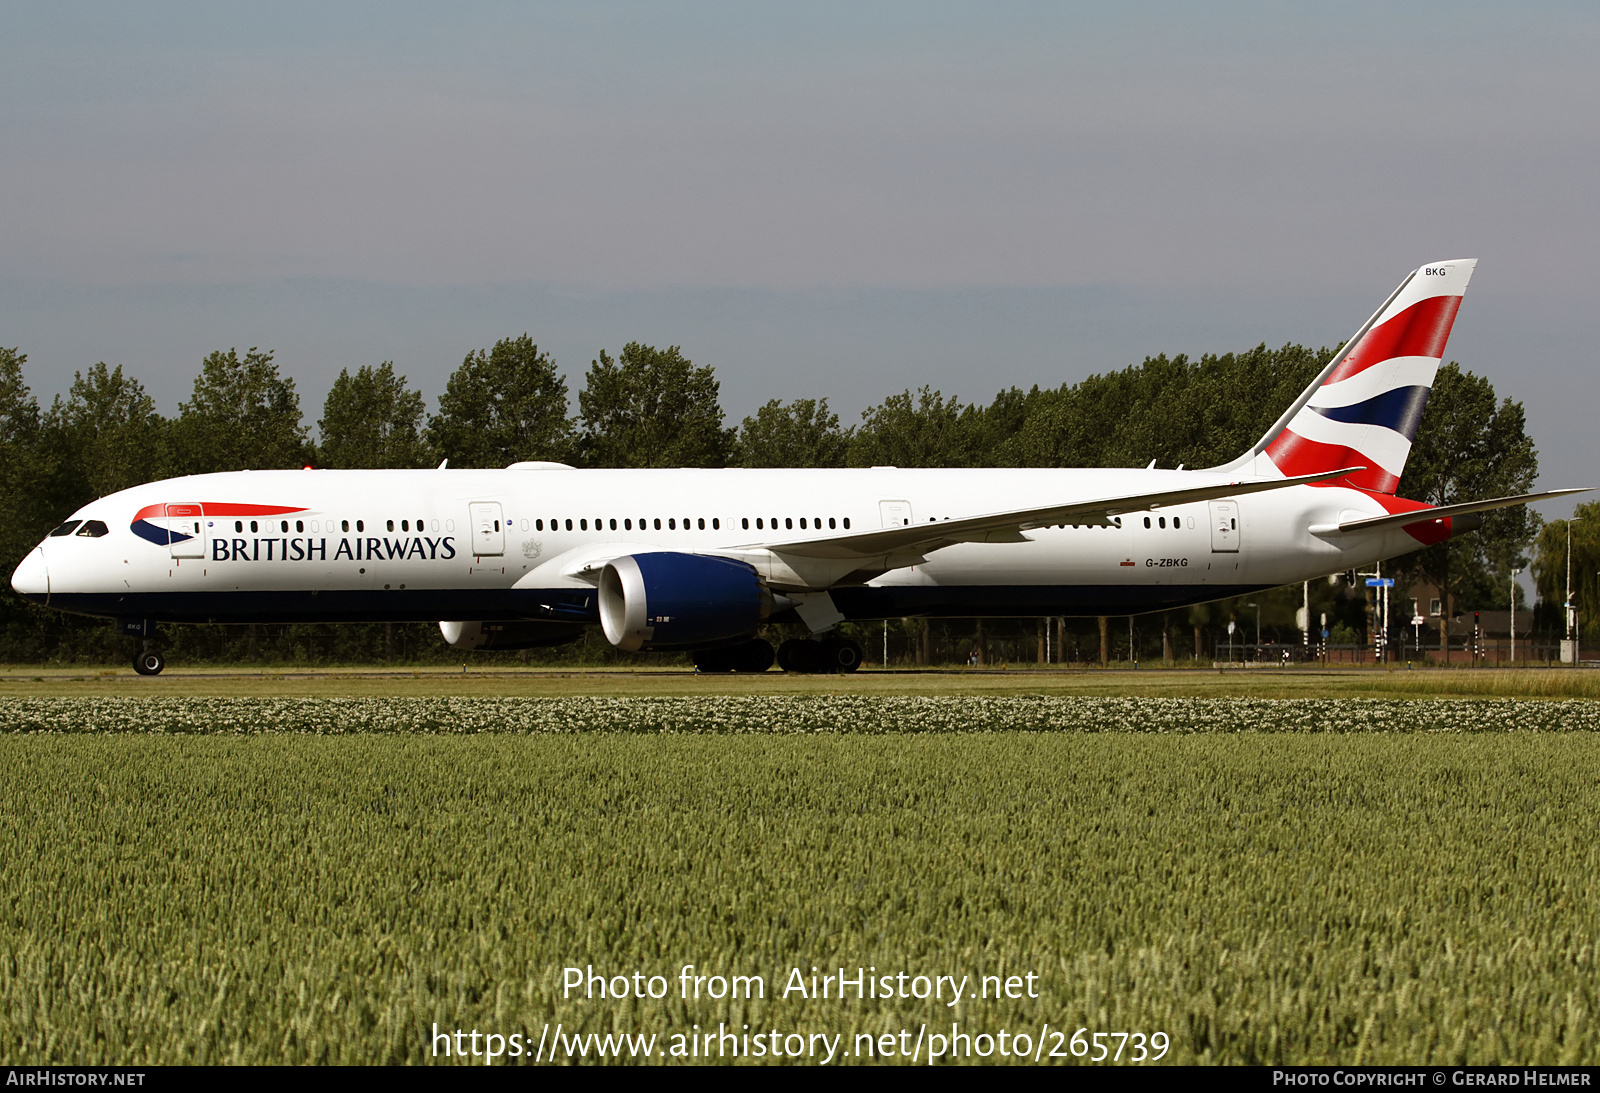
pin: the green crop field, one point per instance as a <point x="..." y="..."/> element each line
<point x="330" y="879"/>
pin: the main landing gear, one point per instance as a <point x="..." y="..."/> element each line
<point x="812" y="657"/>
<point x="754" y="655"/>
<point x="809" y="656"/>
<point x="148" y="662"/>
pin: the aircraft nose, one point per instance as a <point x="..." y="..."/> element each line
<point x="32" y="577"/>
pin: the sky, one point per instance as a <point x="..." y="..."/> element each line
<point x="818" y="200"/>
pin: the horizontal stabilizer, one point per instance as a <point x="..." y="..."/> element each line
<point x="1007" y="526"/>
<point x="1424" y="516"/>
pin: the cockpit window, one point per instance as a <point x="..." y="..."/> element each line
<point x="94" y="529"/>
<point x="66" y="528"/>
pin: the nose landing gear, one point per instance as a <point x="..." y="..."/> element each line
<point x="147" y="662"/>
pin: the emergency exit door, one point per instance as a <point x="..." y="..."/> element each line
<point x="488" y="529"/>
<point x="895" y="514"/>
<point x="1224" y="527"/>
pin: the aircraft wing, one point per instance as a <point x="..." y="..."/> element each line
<point x="1001" y="527"/>
<point x="1423" y="516"/>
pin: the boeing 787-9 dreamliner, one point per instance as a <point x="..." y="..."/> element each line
<point x="701" y="560"/>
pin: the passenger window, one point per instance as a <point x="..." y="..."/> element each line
<point x="390" y="527"/>
<point x="93" y="529"/>
<point x="627" y="525"/>
<point x="66" y="528"/>
<point x="847" y="523"/>
<point x="702" y="523"/>
<point x="788" y="522"/>
<point x="758" y="524"/>
<point x="299" y="525"/>
<point x="583" y="525"/>
<point x="361" y="525"/>
<point x="744" y="522"/>
<point x="672" y="523"/>
<point x="658" y="523"/>
<point x="613" y="524"/>
<point x="716" y="524"/>
<point x="538" y="525"/>
<point x="1147" y="521"/>
<point x="238" y="525"/>
<point x="253" y="526"/>
<point x="830" y="523"/>
<point x="802" y="523"/>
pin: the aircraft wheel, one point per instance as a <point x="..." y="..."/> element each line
<point x="149" y="663"/>
<point x="796" y="655"/>
<point x="754" y="656"/>
<point x="715" y="660"/>
<point x="841" y="655"/>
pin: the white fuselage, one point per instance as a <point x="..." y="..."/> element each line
<point x="520" y="543"/>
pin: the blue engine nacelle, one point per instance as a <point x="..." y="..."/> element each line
<point x="667" y="600"/>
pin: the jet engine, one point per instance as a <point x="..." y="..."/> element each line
<point x="509" y="635"/>
<point x="668" y="600"/>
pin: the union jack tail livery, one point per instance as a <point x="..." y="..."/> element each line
<point x="1363" y="410"/>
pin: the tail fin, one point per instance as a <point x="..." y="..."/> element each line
<point x="1363" y="410"/>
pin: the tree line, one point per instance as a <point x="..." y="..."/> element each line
<point x="650" y="407"/>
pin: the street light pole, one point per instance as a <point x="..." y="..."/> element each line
<point x="1569" y="647"/>
<point x="1514" y="573"/>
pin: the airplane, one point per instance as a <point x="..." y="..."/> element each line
<point x="701" y="560"/>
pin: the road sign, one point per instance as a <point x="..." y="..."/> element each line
<point x="1380" y="582"/>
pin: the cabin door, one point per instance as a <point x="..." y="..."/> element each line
<point x="488" y="530"/>
<point x="1224" y="527"/>
<point x="186" y="536"/>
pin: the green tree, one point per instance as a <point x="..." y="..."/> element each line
<point x="652" y="408"/>
<point x="107" y="436"/>
<point x="1550" y="569"/>
<point x="1170" y="409"/>
<point x="371" y="419"/>
<point x="503" y="406"/>
<point x="243" y="416"/>
<point x="925" y="430"/>
<point x="802" y="433"/>
<point x="24" y="466"/>
<point x="1469" y="447"/>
